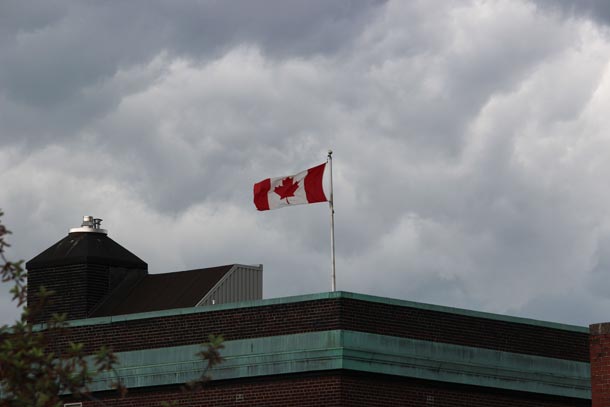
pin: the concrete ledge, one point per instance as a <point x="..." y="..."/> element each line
<point x="338" y="349"/>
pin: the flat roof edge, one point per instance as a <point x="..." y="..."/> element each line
<point x="324" y="296"/>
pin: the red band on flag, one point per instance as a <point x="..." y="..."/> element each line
<point x="261" y="190"/>
<point x="302" y="188"/>
<point x="313" y="184"/>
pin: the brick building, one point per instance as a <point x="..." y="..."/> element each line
<point x="331" y="349"/>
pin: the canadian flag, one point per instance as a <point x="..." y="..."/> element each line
<point x="302" y="188"/>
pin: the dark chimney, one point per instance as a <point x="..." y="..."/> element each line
<point x="81" y="269"/>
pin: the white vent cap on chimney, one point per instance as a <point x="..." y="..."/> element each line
<point x="90" y="225"/>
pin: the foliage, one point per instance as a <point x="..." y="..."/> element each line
<point x="210" y="354"/>
<point x="33" y="374"/>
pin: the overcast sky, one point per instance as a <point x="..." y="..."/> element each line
<point x="471" y="142"/>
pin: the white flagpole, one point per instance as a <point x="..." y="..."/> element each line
<point x="332" y="220"/>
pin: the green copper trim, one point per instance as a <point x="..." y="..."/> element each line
<point x="323" y="296"/>
<point x="338" y="349"/>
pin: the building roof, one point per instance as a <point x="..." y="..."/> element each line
<point x="154" y="292"/>
<point x="95" y="248"/>
<point x="367" y="335"/>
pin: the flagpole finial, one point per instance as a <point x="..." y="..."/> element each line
<point x="330" y="152"/>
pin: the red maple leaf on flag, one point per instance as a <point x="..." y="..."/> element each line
<point x="287" y="188"/>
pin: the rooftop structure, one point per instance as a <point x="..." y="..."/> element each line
<point x="92" y="275"/>
<point x="332" y="349"/>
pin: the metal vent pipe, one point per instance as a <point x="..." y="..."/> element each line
<point x="90" y="225"/>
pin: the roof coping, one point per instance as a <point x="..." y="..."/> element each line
<point x="323" y="296"/>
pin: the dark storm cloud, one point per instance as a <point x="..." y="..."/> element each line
<point x="598" y="10"/>
<point x="53" y="54"/>
<point x="468" y="149"/>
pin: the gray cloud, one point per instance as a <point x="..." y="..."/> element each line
<point x="55" y="57"/>
<point x="598" y="10"/>
<point x="468" y="141"/>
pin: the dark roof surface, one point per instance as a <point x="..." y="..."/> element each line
<point x="164" y="291"/>
<point x="96" y="248"/>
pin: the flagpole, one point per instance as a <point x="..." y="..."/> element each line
<point x="332" y="221"/>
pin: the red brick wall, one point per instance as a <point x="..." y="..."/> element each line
<point x="600" y="364"/>
<point x="338" y="389"/>
<point x="297" y="390"/>
<point x="77" y="289"/>
<point x="360" y="390"/>
<point x="321" y="315"/>
<point x="464" y="330"/>
<point x="69" y="284"/>
<point x="233" y="324"/>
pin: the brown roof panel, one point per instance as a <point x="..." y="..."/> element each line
<point x="156" y="292"/>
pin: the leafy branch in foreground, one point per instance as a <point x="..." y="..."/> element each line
<point x="31" y="373"/>
<point x="210" y="354"/>
<point x="34" y="371"/>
